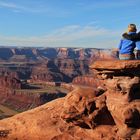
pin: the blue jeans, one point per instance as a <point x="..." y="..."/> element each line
<point x="138" y="55"/>
<point x="126" y="57"/>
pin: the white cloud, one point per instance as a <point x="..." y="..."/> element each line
<point x="11" y="6"/>
<point x="8" y="5"/>
<point x="22" y="8"/>
<point x="35" y="7"/>
<point x="69" y="36"/>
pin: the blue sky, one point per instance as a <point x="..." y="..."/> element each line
<point x="66" y="23"/>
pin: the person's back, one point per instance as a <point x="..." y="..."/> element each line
<point x="126" y="47"/>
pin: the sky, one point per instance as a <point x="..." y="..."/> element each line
<point x="66" y="23"/>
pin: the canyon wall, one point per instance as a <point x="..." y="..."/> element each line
<point x="22" y="67"/>
<point x="38" y="54"/>
<point x="111" y="112"/>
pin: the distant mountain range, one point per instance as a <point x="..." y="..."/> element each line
<point x="39" y="54"/>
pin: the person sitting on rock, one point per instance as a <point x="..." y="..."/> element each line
<point x="126" y="46"/>
<point x="136" y="38"/>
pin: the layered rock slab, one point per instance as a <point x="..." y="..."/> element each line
<point x="122" y="80"/>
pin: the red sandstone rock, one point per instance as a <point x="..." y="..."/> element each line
<point x="63" y="70"/>
<point x="123" y="94"/>
<point x="83" y="106"/>
<point x="46" y="121"/>
<point x="88" y="80"/>
<point x="116" y="65"/>
<point x="85" y="113"/>
<point x="10" y="82"/>
<point x="38" y="54"/>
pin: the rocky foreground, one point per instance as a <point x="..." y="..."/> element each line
<point x="110" y="112"/>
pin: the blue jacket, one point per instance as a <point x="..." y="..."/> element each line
<point x="127" y="46"/>
<point x="138" y="45"/>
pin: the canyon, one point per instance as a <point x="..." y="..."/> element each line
<point x="32" y="54"/>
<point x="30" y="77"/>
<point x="110" y="111"/>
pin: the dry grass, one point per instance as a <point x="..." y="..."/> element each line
<point x="49" y="89"/>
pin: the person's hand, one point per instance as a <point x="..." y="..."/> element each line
<point x="123" y="35"/>
<point x="126" y="32"/>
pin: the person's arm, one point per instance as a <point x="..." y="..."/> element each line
<point x="133" y="37"/>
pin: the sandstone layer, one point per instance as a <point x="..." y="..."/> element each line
<point x="25" y="54"/>
<point x="109" y="112"/>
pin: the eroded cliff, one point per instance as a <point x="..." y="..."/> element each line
<point x="109" y="112"/>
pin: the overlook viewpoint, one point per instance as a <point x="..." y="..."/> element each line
<point x="109" y="112"/>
